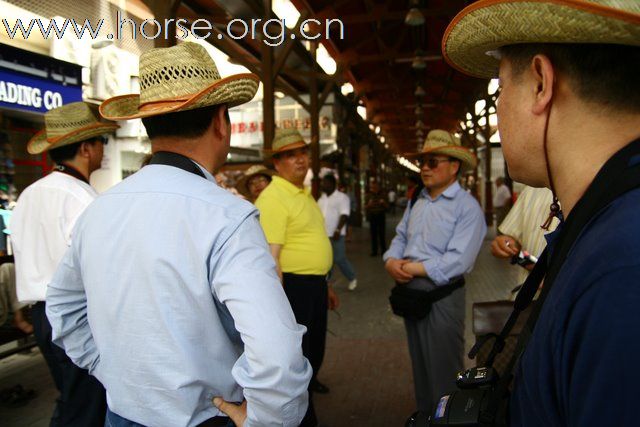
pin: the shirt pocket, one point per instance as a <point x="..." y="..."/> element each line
<point x="439" y="234"/>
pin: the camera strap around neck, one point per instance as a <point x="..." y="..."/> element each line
<point x="619" y="175"/>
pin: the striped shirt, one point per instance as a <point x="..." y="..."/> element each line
<point x="523" y="222"/>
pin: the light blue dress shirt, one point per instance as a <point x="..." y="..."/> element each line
<point x="444" y="234"/>
<point x="169" y="296"/>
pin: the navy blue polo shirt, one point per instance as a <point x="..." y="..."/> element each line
<point x="582" y="365"/>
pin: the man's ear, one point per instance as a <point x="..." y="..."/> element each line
<point x="459" y="166"/>
<point x="543" y="78"/>
<point x="84" y="150"/>
<point x="276" y="163"/>
<point x="220" y="123"/>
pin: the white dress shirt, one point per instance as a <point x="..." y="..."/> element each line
<point x="41" y="227"/>
<point x="169" y="296"/>
<point x="333" y="207"/>
<point x="502" y="196"/>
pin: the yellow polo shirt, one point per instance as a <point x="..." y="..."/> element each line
<point x="291" y="217"/>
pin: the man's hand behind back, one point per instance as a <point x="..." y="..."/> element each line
<point x="237" y="413"/>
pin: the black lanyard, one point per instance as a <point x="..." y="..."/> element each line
<point x="177" y="161"/>
<point x="68" y="170"/>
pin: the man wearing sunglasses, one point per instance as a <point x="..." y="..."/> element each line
<point x="436" y="243"/>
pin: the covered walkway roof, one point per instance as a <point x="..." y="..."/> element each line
<point x="386" y="61"/>
<point x="380" y="54"/>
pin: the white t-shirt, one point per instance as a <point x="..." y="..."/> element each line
<point x="41" y="226"/>
<point x="333" y="207"/>
<point x="502" y="196"/>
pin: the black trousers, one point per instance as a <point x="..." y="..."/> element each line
<point x="82" y="401"/>
<point x="308" y="297"/>
<point x="377" y="230"/>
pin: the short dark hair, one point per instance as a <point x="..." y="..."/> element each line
<point x="66" y="152"/>
<point x="605" y="74"/>
<point x="183" y="124"/>
<point x="331" y="178"/>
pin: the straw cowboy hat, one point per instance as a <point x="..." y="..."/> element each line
<point x="444" y="143"/>
<point x="254" y="170"/>
<point x="471" y="40"/>
<point x="66" y="125"/>
<point x="179" y="78"/>
<point x="286" y="140"/>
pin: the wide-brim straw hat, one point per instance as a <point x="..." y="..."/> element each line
<point x="471" y="40"/>
<point x="254" y="170"/>
<point x="286" y="140"/>
<point x="179" y="78"/>
<point x="66" y="125"/>
<point x="444" y="143"/>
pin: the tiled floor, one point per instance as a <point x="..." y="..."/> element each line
<point x="366" y="365"/>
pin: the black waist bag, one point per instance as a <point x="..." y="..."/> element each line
<point x="415" y="304"/>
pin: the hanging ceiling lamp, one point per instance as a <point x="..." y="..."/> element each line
<point x="414" y="17"/>
<point x="419" y="62"/>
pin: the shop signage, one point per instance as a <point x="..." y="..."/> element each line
<point x="300" y="124"/>
<point x="19" y="91"/>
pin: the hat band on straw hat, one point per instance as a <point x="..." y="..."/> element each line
<point x="457" y="152"/>
<point x="289" y="147"/>
<point x="165" y="103"/>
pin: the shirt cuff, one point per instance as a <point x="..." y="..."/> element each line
<point x="434" y="273"/>
<point x="390" y="254"/>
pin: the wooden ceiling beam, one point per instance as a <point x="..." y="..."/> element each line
<point x="352" y="57"/>
<point x="380" y="13"/>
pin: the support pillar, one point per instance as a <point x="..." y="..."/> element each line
<point x="268" y="87"/>
<point x="315" y="124"/>
<point x="487" y="168"/>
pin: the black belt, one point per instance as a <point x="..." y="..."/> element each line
<point x="304" y="276"/>
<point x="216" y="422"/>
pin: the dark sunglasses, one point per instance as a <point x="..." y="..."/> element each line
<point x="432" y="162"/>
<point x="103" y="139"/>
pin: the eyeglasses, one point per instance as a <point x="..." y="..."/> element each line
<point x="432" y="162"/>
<point x="103" y="139"/>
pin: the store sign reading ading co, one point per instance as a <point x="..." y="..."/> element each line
<point x="18" y="91"/>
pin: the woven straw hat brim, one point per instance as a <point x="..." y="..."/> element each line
<point x="233" y="90"/>
<point x="487" y="25"/>
<point x="39" y="143"/>
<point x="467" y="158"/>
<point x="288" y="147"/>
<point x="242" y="187"/>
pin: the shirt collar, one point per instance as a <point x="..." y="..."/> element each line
<point x="449" y="193"/>
<point x="289" y="187"/>
<point x="206" y="173"/>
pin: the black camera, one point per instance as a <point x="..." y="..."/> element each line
<point x="524" y="259"/>
<point x="467" y="406"/>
